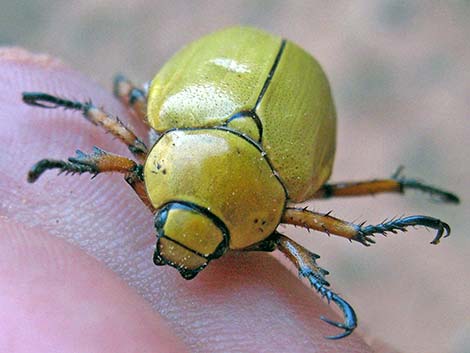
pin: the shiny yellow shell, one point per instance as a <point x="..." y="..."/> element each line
<point x="247" y="123"/>
<point x="214" y="190"/>
<point x="244" y="69"/>
<point x="222" y="172"/>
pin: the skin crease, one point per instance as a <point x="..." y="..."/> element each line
<point x="95" y="290"/>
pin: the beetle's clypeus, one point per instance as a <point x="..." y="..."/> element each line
<point x="245" y="127"/>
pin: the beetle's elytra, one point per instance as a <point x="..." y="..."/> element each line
<point x="243" y="127"/>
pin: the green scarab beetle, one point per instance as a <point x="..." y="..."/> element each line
<point x="243" y="126"/>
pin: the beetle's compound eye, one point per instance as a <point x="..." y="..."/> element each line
<point x="189" y="236"/>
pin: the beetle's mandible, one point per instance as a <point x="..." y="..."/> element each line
<point x="243" y="127"/>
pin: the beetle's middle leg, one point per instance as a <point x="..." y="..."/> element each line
<point x="95" y="163"/>
<point x="396" y="184"/>
<point x="93" y="114"/>
<point x="305" y="261"/>
<point x="360" y="232"/>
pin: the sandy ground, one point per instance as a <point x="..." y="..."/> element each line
<point x="400" y="75"/>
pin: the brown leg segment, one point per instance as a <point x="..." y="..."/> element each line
<point x="94" y="163"/>
<point x="134" y="98"/>
<point x="358" y="232"/>
<point x="305" y="261"/>
<point x="93" y="114"/>
<point x="135" y="180"/>
<point x="396" y="184"/>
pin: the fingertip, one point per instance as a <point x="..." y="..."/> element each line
<point x="55" y="297"/>
<point x="252" y="295"/>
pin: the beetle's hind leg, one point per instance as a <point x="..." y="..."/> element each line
<point x="396" y="184"/>
<point x="359" y="232"/>
<point x="305" y="261"/>
<point x="95" y="163"/>
<point x="134" y="98"/>
<point x="93" y="114"/>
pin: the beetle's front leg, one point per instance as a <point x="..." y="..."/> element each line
<point x="95" y="163"/>
<point x="358" y="232"/>
<point x="93" y="114"/>
<point x="305" y="261"/>
<point x="396" y="184"/>
<point x="134" y="98"/>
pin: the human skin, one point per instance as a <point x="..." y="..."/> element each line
<point x="76" y="270"/>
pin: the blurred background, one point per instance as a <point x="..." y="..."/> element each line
<point x="400" y="74"/>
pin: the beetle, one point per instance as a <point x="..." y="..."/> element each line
<point x="243" y="127"/>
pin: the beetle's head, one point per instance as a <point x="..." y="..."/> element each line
<point x="189" y="236"/>
<point x="213" y="189"/>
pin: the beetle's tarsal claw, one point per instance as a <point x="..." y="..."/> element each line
<point x="305" y="262"/>
<point x="33" y="99"/>
<point x="73" y="166"/>
<point x="320" y="284"/>
<point x="350" y="319"/>
<point x="400" y="224"/>
<point x="43" y="165"/>
<point x="436" y="193"/>
<point x="45" y="100"/>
